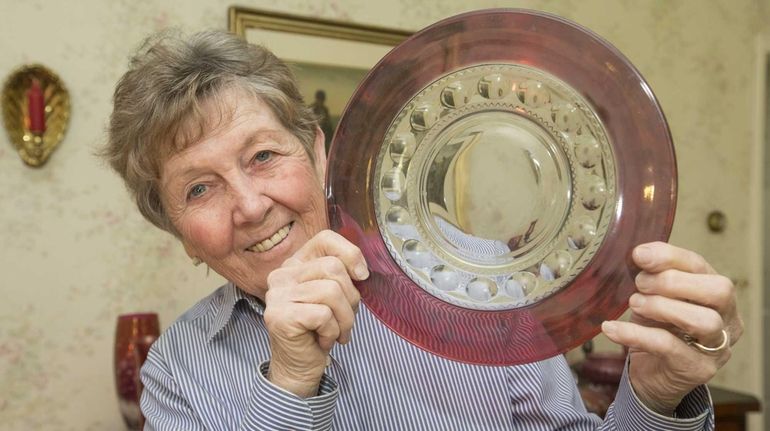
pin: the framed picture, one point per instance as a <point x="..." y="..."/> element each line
<point x="329" y="58"/>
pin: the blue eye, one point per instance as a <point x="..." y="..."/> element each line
<point x="263" y="156"/>
<point x="196" y="191"/>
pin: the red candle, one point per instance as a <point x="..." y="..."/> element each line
<point x="36" y="104"/>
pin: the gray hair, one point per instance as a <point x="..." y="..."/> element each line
<point x="157" y="105"/>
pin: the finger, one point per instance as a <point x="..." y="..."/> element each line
<point x="328" y="332"/>
<point x="329" y="243"/>
<point x="674" y="354"/>
<point x="295" y="319"/>
<point x="323" y="268"/>
<point x="655" y="341"/>
<point x="703" y="323"/>
<point x="660" y="256"/>
<point x="329" y="293"/>
<point x="710" y="290"/>
<point x="644" y="321"/>
<point x="291" y="320"/>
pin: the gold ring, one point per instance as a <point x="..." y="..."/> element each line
<point x="693" y="342"/>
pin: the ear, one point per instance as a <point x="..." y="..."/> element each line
<point x="188" y="249"/>
<point x="319" y="148"/>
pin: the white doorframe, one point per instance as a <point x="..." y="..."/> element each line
<point x="759" y="249"/>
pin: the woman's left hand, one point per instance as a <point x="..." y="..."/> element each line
<point x="680" y="298"/>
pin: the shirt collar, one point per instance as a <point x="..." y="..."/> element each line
<point x="224" y="309"/>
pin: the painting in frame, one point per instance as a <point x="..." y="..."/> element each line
<point x="329" y="58"/>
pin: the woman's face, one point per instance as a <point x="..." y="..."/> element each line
<point x="246" y="196"/>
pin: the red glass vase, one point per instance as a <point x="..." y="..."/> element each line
<point x="134" y="335"/>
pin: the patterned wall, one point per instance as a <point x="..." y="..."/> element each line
<point x="75" y="253"/>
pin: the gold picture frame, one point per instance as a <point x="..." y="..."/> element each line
<point x="241" y="19"/>
<point x="329" y="58"/>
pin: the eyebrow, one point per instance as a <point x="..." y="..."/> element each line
<point x="250" y="139"/>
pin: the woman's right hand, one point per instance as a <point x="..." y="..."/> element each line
<point x="310" y="305"/>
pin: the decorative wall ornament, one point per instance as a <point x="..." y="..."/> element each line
<point x="36" y="110"/>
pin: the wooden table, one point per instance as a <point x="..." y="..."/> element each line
<point x="730" y="408"/>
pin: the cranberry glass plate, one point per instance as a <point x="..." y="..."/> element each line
<point x="496" y="169"/>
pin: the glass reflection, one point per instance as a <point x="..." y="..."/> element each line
<point x="497" y="184"/>
<point x="494" y="186"/>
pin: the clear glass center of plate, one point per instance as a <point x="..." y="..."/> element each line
<point x="495" y="186"/>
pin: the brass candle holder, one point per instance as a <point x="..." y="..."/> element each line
<point x="34" y="143"/>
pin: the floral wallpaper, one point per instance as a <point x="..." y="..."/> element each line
<point x="75" y="252"/>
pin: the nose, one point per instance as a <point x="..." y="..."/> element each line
<point x="250" y="204"/>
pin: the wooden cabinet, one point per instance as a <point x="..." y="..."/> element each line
<point x="730" y="408"/>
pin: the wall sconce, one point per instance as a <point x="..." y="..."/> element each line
<point x="36" y="110"/>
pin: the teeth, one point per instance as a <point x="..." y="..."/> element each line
<point x="271" y="242"/>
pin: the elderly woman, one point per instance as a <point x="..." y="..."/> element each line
<point x="216" y="146"/>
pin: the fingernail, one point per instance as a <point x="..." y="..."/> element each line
<point x="643" y="255"/>
<point x="361" y="272"/>
<point x="639" y="280"/>
<point x="609" y="328"/>
<point x="636" y="300"/>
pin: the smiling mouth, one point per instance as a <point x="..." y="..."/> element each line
<point x="271" y="242"/>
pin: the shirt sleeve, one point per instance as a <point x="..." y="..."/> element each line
<point x="694" y="413"/>
<point x="273" y="408"/>
<point x="544" y="396"/>
<point x="165" y="406"/>
<point x="162" y="404"/>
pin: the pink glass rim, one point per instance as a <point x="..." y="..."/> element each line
<point x="644" y="159"/>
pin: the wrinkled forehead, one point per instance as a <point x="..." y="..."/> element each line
<point x="209" y="115"/>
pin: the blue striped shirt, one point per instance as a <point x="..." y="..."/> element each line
<point x="207" y="371"/>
